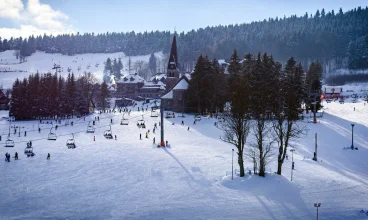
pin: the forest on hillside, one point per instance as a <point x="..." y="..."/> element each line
<point x="336" y="39"/>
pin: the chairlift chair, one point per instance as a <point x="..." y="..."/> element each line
<point x="29" y="151"/>
<point x="169" y="115"/>
<point x="90" y="128"/>
<point x="70" y="143"/>
<point x="108" y="134"/>
<point x="124" y="121"/>
<point x="154" y="113"/>
<point x="141" y="124"/>
<point x="52" y="136"/>
<point x="9" y="143"/>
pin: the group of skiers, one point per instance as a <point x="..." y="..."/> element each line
<point x="7" y="156"/>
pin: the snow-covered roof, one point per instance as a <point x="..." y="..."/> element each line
<point x="158" y="76"/>
<point x="131" y="78"/>
<point x="183" y="84"/>
<point x="222" y="61"/>
<point x="168" y="95"/>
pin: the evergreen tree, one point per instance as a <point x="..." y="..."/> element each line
<point x="234" y="65"/>
<point x="152" y="64"/>
<point x="107" y="70"/>
<point x="103" y="95"/>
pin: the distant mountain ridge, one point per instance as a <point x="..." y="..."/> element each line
<point x="338" y="40"/>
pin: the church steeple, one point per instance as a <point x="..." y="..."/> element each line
<point x="173" y="58"/>
<point x="172" y="66"/>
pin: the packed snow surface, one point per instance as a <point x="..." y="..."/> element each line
<point x="129" y="178"/>
<point x="44" y="62"/>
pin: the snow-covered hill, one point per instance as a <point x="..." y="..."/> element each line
<point x="44" y="62"/>
<point x="129" y="178"/>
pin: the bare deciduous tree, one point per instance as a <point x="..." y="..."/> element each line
<point x="236" y="130"/>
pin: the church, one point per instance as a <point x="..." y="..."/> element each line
<point x="176" y="83"/>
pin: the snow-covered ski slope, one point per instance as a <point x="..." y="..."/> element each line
<point x="44" y="62"/>
<point x="130" y="178"/>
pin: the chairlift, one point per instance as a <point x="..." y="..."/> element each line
<point x="124" y="121"/>
<point x="90" y="128"/>
<point x="108" y="134"/>
<point x="141" y="123"/>
<point x="29" y="151"/>
<point x="169" y="115"/>
<point x="154" y="113"/>
<point x="70" y="143"/>
<point x="9" y="143"/>
<point x="52" y="136"/>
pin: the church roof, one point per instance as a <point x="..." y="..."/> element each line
<point x="182" y="84"/>
<point x="173" y="58"/>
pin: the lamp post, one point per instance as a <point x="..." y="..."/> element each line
<point x="352" y="136"/>
<point x="232" y="164"/>
<point x="162" y="125"/>
<point x="315" y="151"/>
<point x="292" y="163"/>
<point x="317" y="205"/>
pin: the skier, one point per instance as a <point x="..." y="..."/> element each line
<point x="39" y="130"/>
<point x="153" y="130"/>
<point x="182" y="122"/>
<point x="0" y="137"/>
<point x="140" y="136"/>
<point x="25" y="133"/>
<point x="154" y="139"/>
<point x="115" y="137"/>
<point x="188" y="128"/>
<point x="194" y="122"/>
<point x="292" y="167"/>
<point x="354" y="109"/>
<point x="98" y="118"/>
<point x="146" y="134"/>
<point x="16" y="156"/>
<point x="94" y="138"/>
<point x="111" y="121"/>
<point x="215" y="123"/>
<point x="48" y="156"/>
<point x="167" y="143"/>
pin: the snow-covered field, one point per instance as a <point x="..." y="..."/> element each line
<point x="130" y="178"/>
<point x="44" y="62"/>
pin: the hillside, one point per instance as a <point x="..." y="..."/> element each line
<point x="130" y="178"/>
<point x="44" y="62"/>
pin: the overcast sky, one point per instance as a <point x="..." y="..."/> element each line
<point x="26" y="17"/>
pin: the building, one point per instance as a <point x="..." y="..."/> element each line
<point x="128" y="86"/>
<point x="4" y="101"/>
<point x="151" y="90"/>
<point x="174" y="100"/>
<point x="331" y="92"/>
